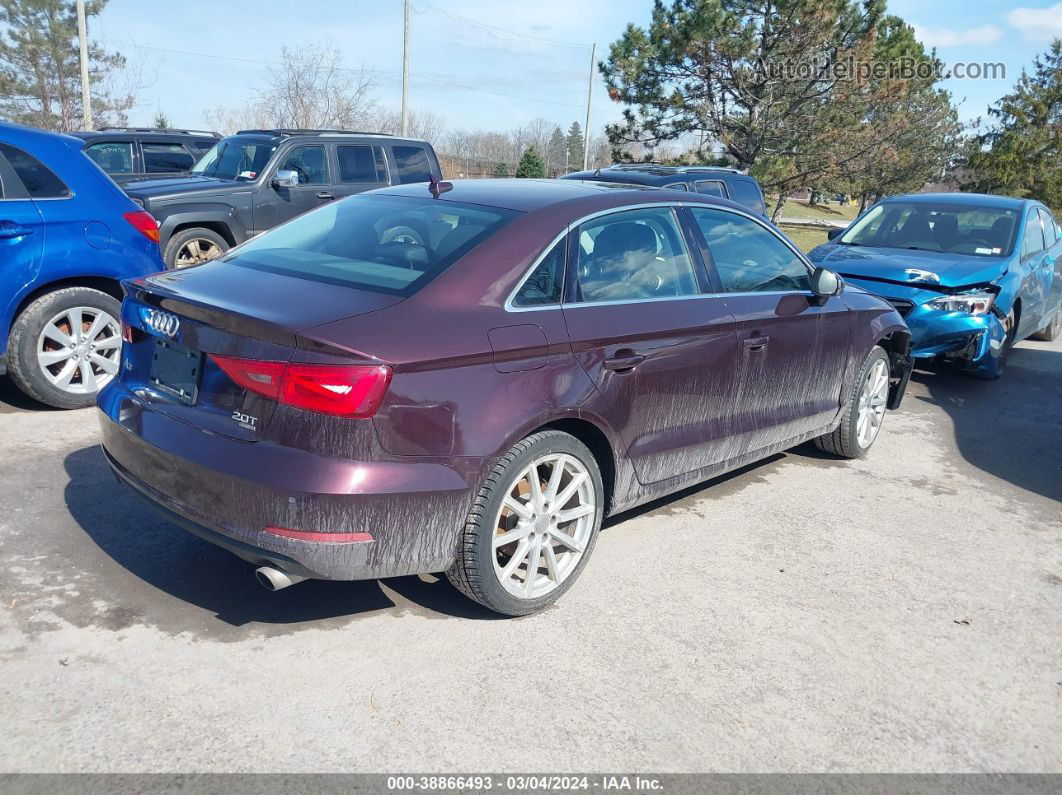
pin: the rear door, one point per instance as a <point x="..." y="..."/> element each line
<point x="274" y="205"/>
<point x="793" y="344"/>
<point x="359" y="167"/>
<point x="21" y="239"/>
<point x="659" y="349"/>
<point x="1052" y="266"/>
<point x="1037" y="272"/>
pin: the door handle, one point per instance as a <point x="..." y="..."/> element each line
<point x="325" y="195"/>
<point x="756" y="343"/>
<point x="1048" y="262"/>
<point x="9" y="229"/>
<point x="623" y="361"/>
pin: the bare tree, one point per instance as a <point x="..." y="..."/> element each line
<point x="312" y="88"/>
<point x="423" y="124"/>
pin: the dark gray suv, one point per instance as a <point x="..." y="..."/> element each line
<point x="251" y="181"/>
<point x="130" y="153"/>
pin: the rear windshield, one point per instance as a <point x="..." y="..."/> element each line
<point x="387" y="244"/>
<point x="235" y="158"/>
<point x="952" y="227"/>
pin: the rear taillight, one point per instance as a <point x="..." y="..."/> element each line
<point x="131" y="334"/>
<point x="144" y="223"/>
<point x="354" y="391"/>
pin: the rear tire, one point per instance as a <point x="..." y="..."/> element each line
<point x="1050" y="332"/>
<point x="40" y="365"/>
<point x="851" y="438"/>
<point x="193" y="247"/>
<point x="500" y="575"/>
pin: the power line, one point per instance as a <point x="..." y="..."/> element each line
<point x="495" y="29"/>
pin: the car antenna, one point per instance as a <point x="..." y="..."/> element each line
<point x="436" y="187"/>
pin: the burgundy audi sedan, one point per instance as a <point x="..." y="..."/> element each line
<point x="469" y="377"/>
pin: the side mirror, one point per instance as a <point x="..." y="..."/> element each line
<point x="832" y="233"/>
<point x="286" y="179"/>
<point x="825" y="283"/>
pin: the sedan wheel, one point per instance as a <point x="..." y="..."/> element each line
<point x="872" y="400"/>
<point x="197" y="251"/>
<point x="533" y="525"/>
<point x="78" y="350"/>
<point x="543" y="526"/>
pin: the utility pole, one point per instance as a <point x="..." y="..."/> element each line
<point x="86" y="94"/>
<point x="405" y="71"/>
<point x="589" y="96"/>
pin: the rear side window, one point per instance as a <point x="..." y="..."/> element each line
<point x="39" y="181"/>
<point x="114" y="157"/>
<point x="677" y="186"/>
<point x="711" y="187"/>
<point x="1033" y="241"/>
<point x="1050" y="229"/>
<point x="412" y="164"/>
<point x="746" y="192"/>
<point x="205" y="146"/>
<point x="544" y="285"/>
<point x="160" y="158"/>
<point x="361" y="164"/>
<point x="386" y="244"/>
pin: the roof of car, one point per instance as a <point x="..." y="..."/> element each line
<point x="151" y="132"/>
<point x="978" y="199"/>
<point x="654" y="174"/>
<point x="527" y="195"/>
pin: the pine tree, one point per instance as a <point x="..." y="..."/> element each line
<point x="532" y="166"/>
<point x="501" y="169"/>
<point x="161" y="121"/>
<point x="575" y="144"/>
<point x="1022" y="154"/>
<point x="556" y="152"/>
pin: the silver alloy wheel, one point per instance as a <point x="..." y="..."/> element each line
<point x="872" y="400"/>
<point x="196" y="251"/>
<point x="78" y="350"/>
<point x="544" y="525"/>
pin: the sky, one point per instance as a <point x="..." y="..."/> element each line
<point x="480" y="64"/>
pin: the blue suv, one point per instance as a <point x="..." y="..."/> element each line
<point x="68" y="236"/>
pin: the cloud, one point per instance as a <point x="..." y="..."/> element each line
<point x="1037" y="24"/>
<point x="950" y="37"/>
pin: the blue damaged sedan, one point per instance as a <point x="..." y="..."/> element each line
<point x="971" y="274"/>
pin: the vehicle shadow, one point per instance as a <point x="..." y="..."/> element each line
<point x="12" y="399"/>
<point x="188" y="568"/>
<point x="1010" y="428"/>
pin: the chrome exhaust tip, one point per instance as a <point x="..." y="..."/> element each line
<point x="274" y="579"/>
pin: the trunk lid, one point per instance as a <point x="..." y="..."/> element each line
<point x="182" y="317"/>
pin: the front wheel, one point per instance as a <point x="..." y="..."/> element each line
<point x="194" y="247"/>
<point x="864" y="409"/>
<point x="532" y="527"/>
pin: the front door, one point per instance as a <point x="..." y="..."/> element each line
<point x="274" y="204"/>
<point x="1036" y="264"/>
<point x="659" y="348"/>
<point x="793" y="345"/>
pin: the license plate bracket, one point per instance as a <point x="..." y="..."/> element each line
<point x="175" y="370"/>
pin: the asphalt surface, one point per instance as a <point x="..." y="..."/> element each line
<point x="899" y="613"/>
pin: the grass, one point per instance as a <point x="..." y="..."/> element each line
<point x="805" y="237"/>
<point x="818" y="212"/>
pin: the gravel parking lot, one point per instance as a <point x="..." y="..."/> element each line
<point x="900" y="613"/>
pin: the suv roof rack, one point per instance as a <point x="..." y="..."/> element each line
<point x="286" y="131"/>
<point x="676" y="169"/>
<point x="167" y="130"/>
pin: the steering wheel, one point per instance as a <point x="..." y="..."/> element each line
<point x="404" y="254"/>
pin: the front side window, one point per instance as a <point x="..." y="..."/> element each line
<point x="309" y="162"/>
<point x="412" y="164"/>
<point x="38" y="179"/>
<point x="165" y="158"/>
<point x="373" y="242"/>
<point x="633" y="255"/>
<point x="748" y="257"/>
<point x="952" y="227"/>
<point x="1050" y="229"/>
<point x="361" y="164"/>
<point x="1033" y="238"/>
<point x="235" y="157"/>
<point x="546" y="282"/>
<point x="112" y="156"/>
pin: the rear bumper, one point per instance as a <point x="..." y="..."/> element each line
<point x="414" y="511"/>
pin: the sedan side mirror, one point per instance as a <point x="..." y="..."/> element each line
<point x="286" y="179"/>
<point x="832" y="233"/>
<point x="825" y="283"/>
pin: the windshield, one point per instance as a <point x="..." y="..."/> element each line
<point x="388" y="244"/>
<point x="952" y="227"/>
<point x="235" y="158"/>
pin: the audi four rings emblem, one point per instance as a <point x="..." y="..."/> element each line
<point x="162" y="322"/>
